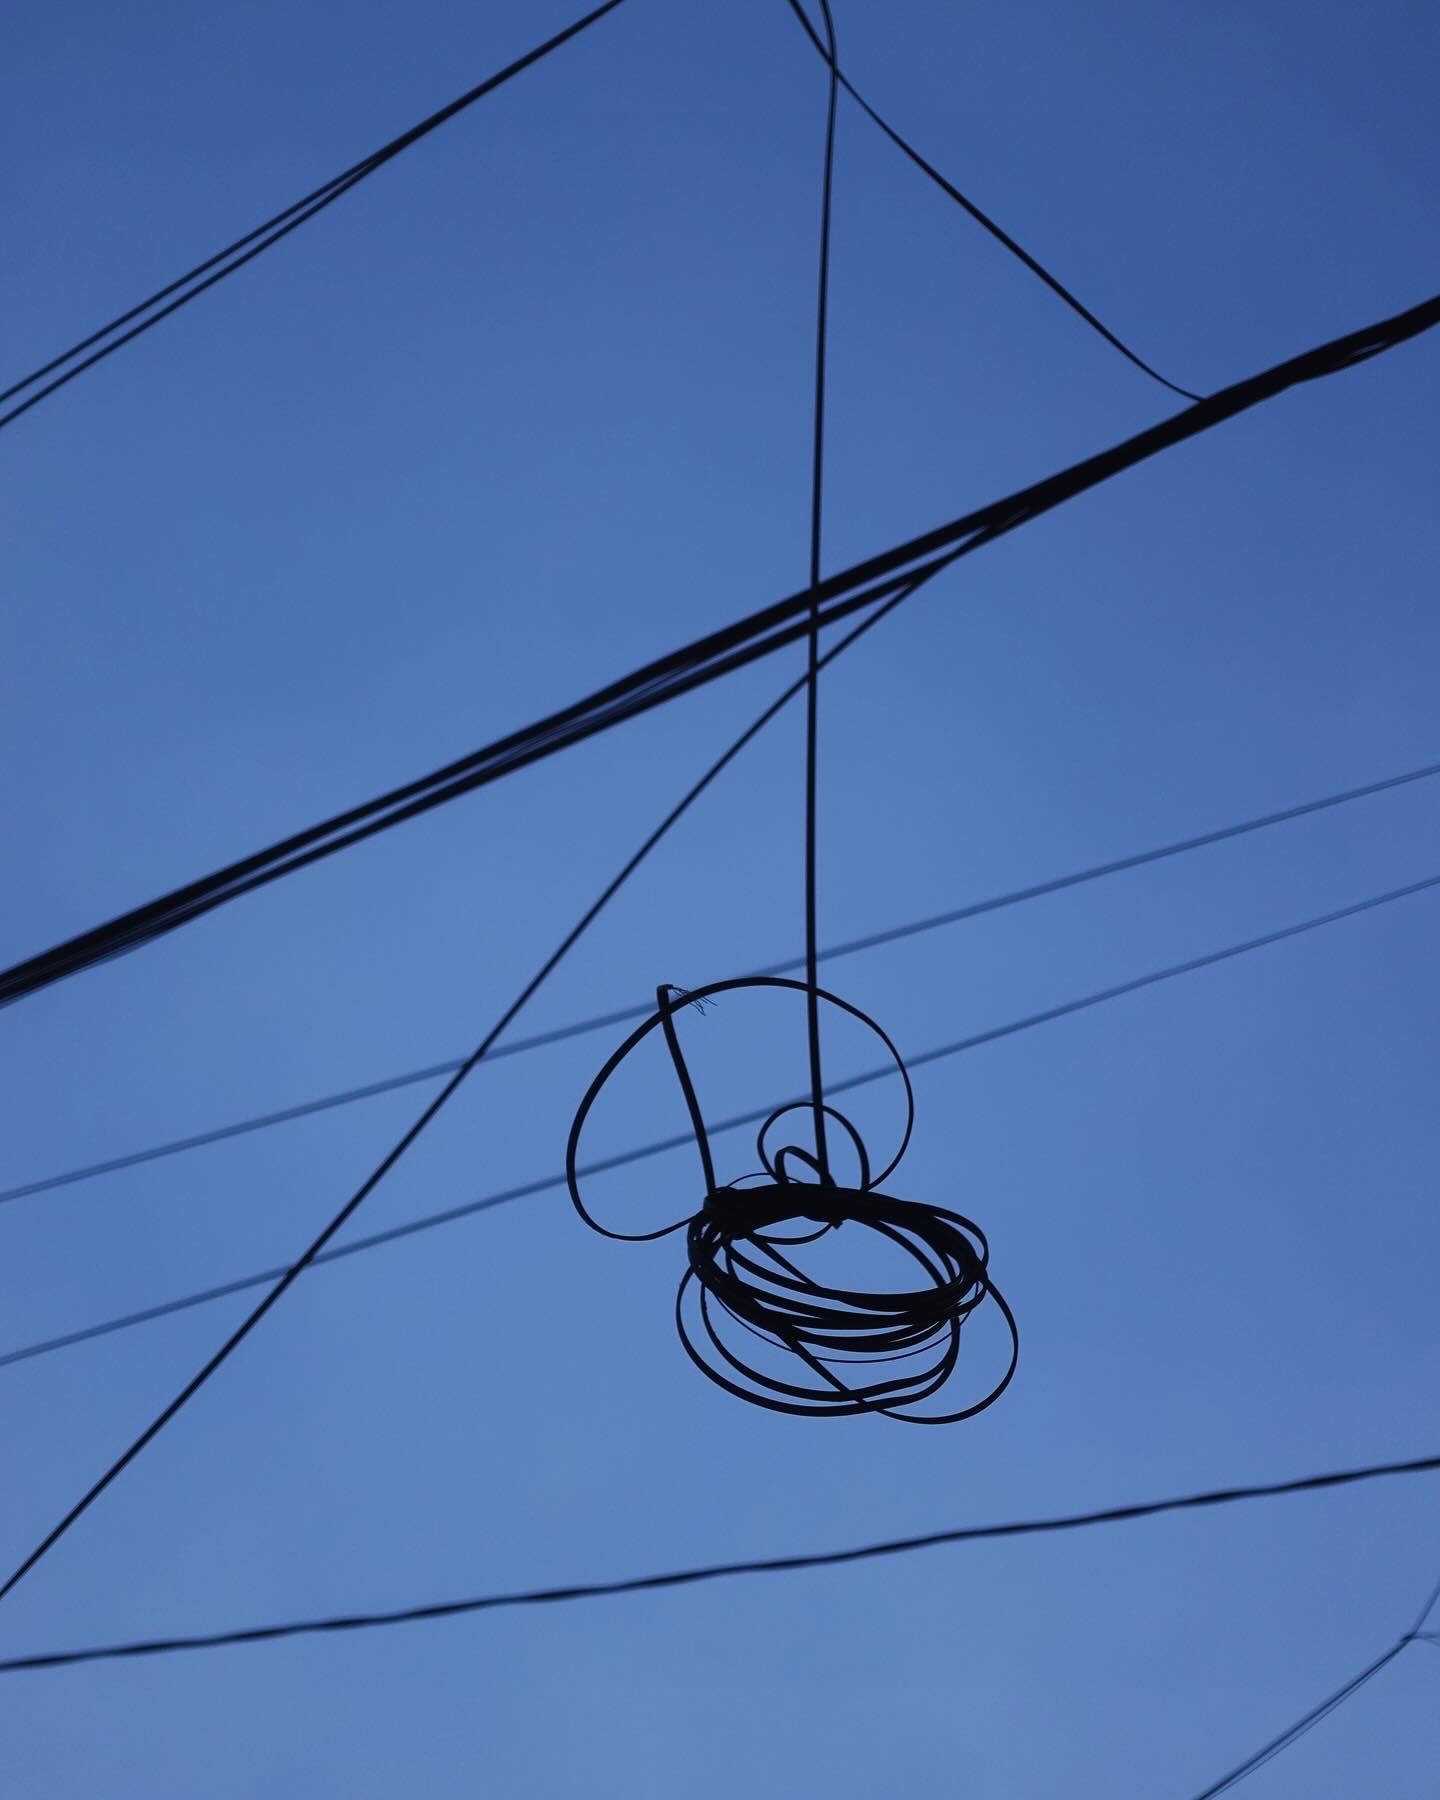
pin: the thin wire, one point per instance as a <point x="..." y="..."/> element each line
<point x="628" y="1014"/>
<point x="248" y="1324"/>
<point x="1301" y="1726"/>
<point x="773" y="1565"/>
<point x="812" y="640"/>
<point x="551" y="1183"/>
<point x="908" y="565"/>
<point x="1293" y="1733"/>
<point x="254" y="242"/>
<point x="997" y="232"/>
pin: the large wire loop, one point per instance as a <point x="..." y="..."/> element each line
<point x="740" y="1279"/>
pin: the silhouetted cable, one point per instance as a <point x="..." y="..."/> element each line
<point x="741" y="1270"/>
<point x="982" y="219"/>
<point x="1296" y="1731"/>
<point x="317" y="1245"/>
<point x="812" y="635"/>
<point x="747" y="1243"/>
<point x="551" y="1183"/>
<point x="627" y="1015"/>
<point x="906" y="567"/>
<point x="772" y="1565"/>
<point x="199" y="280"/>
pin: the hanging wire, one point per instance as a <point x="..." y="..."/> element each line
<point x="812" y="639"/>
<point x="736" y="1272"/>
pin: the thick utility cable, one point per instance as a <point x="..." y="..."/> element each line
<point x="372" y="1181"/>
<point x="983" y="219"/>
<point x="628" y="1014"/>
<point x="551" y="1183"/>
<point x="770" y="1565"/>
<point x="1328" y="1705"/>
<point x="878" y="578"/>
<point x="214" y="269"/>
<point x="812" y="636"/>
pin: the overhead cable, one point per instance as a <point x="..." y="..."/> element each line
<point x="628" y="1014"/>
<point x="553" y="1183"/>
<point x="169" y="299"/>
<point x="880" y="578"/>
<point x="770" y="1565"/>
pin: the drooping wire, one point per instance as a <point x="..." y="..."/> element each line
<point x="552" y="1183"/>
<point x="736" y="1272"/>
<point x="1293" y="1733"/>
<point x="772" y="1565"/>
<point x="372" y="1181"/>
<point x="628" y="1014"/>
<point x="812" y="639"/>
<point x="908" y="565"/>
<point x="982" y="219"/>
<point x="205" y="275"/>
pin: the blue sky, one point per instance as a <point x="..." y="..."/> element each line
<point x="530" y="407"/>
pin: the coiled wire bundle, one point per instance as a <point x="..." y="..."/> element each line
<point x="741" y="1271"/>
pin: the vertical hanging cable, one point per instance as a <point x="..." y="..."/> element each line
<point x="741" y="1271"/>
<point x="812" y="678"/>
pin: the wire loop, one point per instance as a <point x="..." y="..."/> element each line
<point x="738" y="1276"/>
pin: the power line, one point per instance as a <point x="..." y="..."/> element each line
<point x="199" y="280"/>
<point x="151" y="311"/>
<point x="892" y="575"/>
<point x="627" y="1015"/>
<point x="552" y="1183"/>
<point x="1293" y="1733"/>
<point x="773" y="1565"/>
<point x="982" y="219"/>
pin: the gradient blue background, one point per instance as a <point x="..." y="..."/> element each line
<point x="530" y="407"/>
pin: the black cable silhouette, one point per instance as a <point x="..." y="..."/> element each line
<point x="779" y="1303"/>
<point x="877" y="579"/>
<point x="735" y="1265"/>
<point x="982" y="219"/>
<point x="812" y="636"/>
<point x="248" y="1324"/>
<point x="906" y="566"/>
<point x="214" y="269"/>
<point x="772" y="1565"/>
<point x="1293" y="1733"/>
<point x="628" y="1014"/>
<point x="548" y="1184"/>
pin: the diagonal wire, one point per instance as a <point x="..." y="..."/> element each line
<point x="1293" y="1733"/>
<point x="734" y="646"/>
<point x="549" y="1183"/>
<point x="373" y="1180"/>
<point x="560" y="1033"/>
<point x="982" y="219"/>
<point x="774" y="1565"/>
<point x="185" y="288"/>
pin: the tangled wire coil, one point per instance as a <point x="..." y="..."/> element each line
<point x="739" y="1274"/>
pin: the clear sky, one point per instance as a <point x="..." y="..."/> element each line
<point x="530" y="407"/>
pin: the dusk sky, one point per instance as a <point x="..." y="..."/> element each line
<point x="528" y="408"/>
